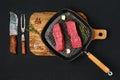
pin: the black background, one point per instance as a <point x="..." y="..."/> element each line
<point x="100" y="13"/>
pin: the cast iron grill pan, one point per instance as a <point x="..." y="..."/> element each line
<point x="48" y="39"/>
<point x="82" y="27"/>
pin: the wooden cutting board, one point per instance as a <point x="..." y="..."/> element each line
<point x="38" y="20"/>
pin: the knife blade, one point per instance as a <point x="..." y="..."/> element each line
<point x="13" y="32"/>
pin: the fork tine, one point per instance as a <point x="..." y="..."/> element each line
<point x="24" y="21"/>
<point x="21" y="21"/>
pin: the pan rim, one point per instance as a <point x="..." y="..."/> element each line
<point x="49" y="22"/>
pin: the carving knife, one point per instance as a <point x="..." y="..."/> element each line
<point x="13" y="32"/>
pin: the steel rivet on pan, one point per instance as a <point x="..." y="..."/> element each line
<point x="68" y="51"/>
<point x="63" y="17"/>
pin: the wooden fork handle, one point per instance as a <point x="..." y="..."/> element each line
<point x="23" y="47"/>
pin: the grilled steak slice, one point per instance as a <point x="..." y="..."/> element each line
<point x="58" y="37"/>
<point x="74" y="37"/>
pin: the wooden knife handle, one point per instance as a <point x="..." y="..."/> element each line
<point x="13" y="44"/>
<point x="99" y="64"/>
<point x="23" y="47"/>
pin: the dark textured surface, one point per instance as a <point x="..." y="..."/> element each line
<point x="100" y="13"/>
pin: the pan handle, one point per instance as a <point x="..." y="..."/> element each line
<point x="99" y="34"/>
<point x="99" y="63"/>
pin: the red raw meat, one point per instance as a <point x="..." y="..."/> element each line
<point x="74" y="37"/>
<point x="58" y="36"/>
